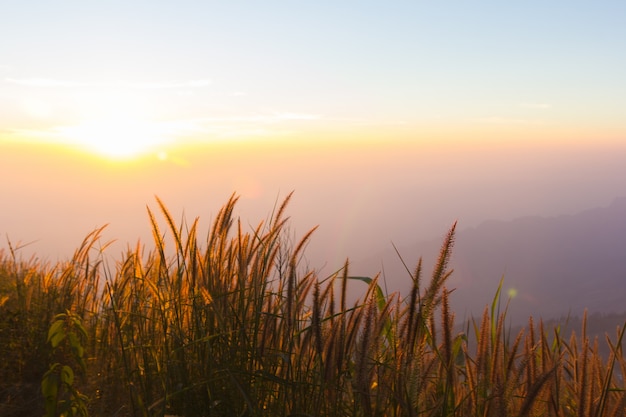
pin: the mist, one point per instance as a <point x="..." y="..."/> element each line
<point x="362" y="198"/>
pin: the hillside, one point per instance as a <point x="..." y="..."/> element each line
<point x="554" y="266"/>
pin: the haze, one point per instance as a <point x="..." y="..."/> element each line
<point x="389" y="121"/>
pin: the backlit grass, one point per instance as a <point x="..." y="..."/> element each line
<point x="234" y="325"/>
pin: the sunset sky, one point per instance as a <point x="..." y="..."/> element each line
<point x="389" y="119"/>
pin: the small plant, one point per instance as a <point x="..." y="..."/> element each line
<point x="57" y="386"/>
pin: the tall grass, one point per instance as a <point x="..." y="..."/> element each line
<point x="234" y="324"/>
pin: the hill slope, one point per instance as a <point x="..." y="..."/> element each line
<point x="554" y="266"/>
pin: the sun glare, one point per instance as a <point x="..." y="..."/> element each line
<point x="116" y="138"/>
<point x="116" y="127"/>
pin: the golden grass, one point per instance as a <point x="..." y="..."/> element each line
<point x="234" y="325"/>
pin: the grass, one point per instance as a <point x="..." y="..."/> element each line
<point x="234" y="325"/>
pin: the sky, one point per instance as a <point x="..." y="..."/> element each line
<point x="389" y="120"/>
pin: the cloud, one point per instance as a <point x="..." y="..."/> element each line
<point x="261" y="118"/>
<point x="296" y="116"/>
<point x="231" y="126"/>
<point x="495" y="120"/>
<point x="536" y="105"/>
<point x="169" y="85"/>
<point x="44" y="82"/>
<point x="54" y="83"/>
<point x="273" y="122"/>
<point x="256" y="125"/>
<point x="24" y="136"/>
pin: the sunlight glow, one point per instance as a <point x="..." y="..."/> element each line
<point x="116" y="126"/>
<point x="117" y="138"/>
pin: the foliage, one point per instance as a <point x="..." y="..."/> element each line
<point x="62" y="399"/>
<point x="235" y="325"/>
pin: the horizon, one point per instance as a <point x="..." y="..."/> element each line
<point x="414" y="203"/>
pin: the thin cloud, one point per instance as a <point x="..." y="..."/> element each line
<point x="504" y="121"/>
<point x="276" y="124"/>
<point x="260" y="118"/>
<point x="297" y="116"/>
<point x="536" y="105"/>
<point x="54" y="83"/>
<point x="239" y="126"/>
<point x="44" y="82"/>
<point x="35" y="135"/>
<point x="169" y="85"/>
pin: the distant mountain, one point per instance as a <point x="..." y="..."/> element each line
<point x="553" y="266"/>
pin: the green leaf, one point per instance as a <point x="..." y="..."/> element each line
<point x="56" y="328"/>
<point x="75" y="345"/>
<point x="496" y="300"/>
<point x="50" y="383"/>
<point x="61" y="317"/>
<point x="381" y="302"/>
<point x="67" y="375"/>
<point x="57" y="338"/>
<point x="494" y="318"/>
<point x="50" y="389"/>
<point x="380" y="297"/>
<point x="79" y="325"/>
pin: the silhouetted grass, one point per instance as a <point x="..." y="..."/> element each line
<point x="233" y="325"/>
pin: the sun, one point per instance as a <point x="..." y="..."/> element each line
<point x="116" y="137"/>
<point x="117" y="127"/>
